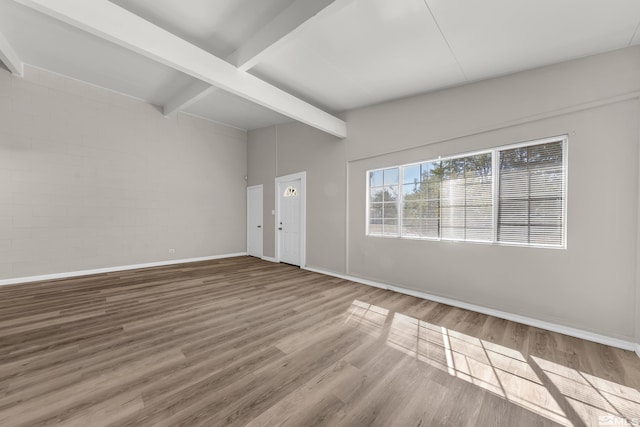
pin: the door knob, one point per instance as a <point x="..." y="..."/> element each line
<point x="259" y="226"/>
<point x="279" y="228"/>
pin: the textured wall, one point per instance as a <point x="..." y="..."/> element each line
<point x="291" y="148"/>
<point x="592" y="285"/>
<point x="261" y="166"/>
<point x="90" y="179"/>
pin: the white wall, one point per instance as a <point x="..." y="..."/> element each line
<point x="92" y="179"/>
<point x="491" y="104"/>
<point x="302" y="148"/>
<point x="592" y="284"/>
<point x="261" y="167"/>
<point x="291" y="148"/>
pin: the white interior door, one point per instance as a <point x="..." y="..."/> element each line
<point x="288" y="222"/>
<point x="254" y="221"/>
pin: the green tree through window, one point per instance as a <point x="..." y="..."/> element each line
<point x="458" y="198"/>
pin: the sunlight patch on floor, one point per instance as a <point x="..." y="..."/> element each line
<point x="593" y="398"/>
<point x="367" y="318"/>
<point x="495" y="368"/>
<point x="559" y="393"/>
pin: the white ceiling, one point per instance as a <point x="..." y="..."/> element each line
<point x="370" y="51"/>
<point x="226" y="108"/>
<point x="218" y="26"/>
<point x="351" y="54"/>
<point x="46" y="43"/>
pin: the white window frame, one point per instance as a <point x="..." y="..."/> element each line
<point x="565" y="147"/>
<point x="368" y="209"/>
<point x="495" y="176"/>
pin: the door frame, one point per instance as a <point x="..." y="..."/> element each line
<point x="249" y="188"/>
<point x="302" y="176"/>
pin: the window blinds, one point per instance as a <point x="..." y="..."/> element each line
<point x="466" y="199"/>
<point x="512" y="195"/>
<point x="531" y="195"/>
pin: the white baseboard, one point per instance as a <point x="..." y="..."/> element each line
<point x="66" y="275"/>
<point x="566" y="330"/>
<point x="578" y="333"/>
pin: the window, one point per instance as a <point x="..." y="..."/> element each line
<point x="531" y="204"/>
<point x="511" y="195"/>
<point x="421" y="200"/>
<point x="290" y="191"/>
<point x="466" y="204"/>
<point x="383" y="202"/>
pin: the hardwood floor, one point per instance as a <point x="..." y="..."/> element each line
<point x="242" y="341"/>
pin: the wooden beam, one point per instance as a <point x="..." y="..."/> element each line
<point x="117" y="25"/>
<point x="10" y="58"/>
<point x="281" y="28"/>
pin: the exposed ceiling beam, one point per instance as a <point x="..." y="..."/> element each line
<point x="189" y="96"/>
<point x="279" y="29"/>
<point x="10" y="58"/>
<point x="117" y="25"/>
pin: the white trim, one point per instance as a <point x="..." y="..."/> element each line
<point x="565" y="189"/>
<point x="554" y="327"/>
<point x="637" y="276"/>
<point x="513" y="123"/>
<point x="187" y="113"/>
<point x="302" y="176"/>
<point x="399" y="202"/>
<point x="117" y="25"/>
<point x="495" y="176"/>
<point x="255" y="187"/>
<point x="268" y="258"/>
<point x="495" y="193"/>
<point x="187" y="97"/>
<point x="288" y="23"/>
<point x="347" y="230"/>
<point x="10" y="58"/>
<point x="245" y="57"/>
<point x="66" y="275"/>
<point x="367" y="208"/>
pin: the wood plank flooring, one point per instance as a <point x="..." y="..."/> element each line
<point x="241" y="341"/>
